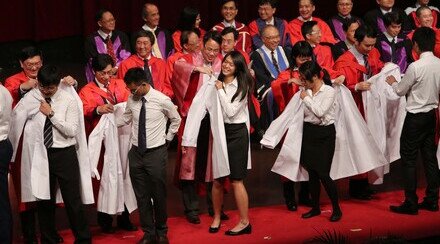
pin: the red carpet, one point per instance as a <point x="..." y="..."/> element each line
<point x="274" y="224"/>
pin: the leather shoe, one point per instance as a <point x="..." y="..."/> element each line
<point x="108" y="230"/>
<point x="127" y="227"/>
<point x="312" y="213"/>
<point x="245" y="230"/>
<point x="163" y="240"/>
<point x="193" y="219"/>
<point x="405" y="208"/>
<point x="336" y="216"/>
<point x="433" y="207"/>
<point x="291" y="206"/>
<point x="214" y="229"/>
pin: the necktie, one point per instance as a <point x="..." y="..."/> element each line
<point x="48" y="132"/>
<point x="148" y="73"/>
<point x="155" y="47"/>
<point x="142" y="137"/>
<point x="274" y="61"/>
<point x="367" y="67"/>
<point x="393" y="50"/>
<point x="110" y="96"/>
<point x="110" y="50"/>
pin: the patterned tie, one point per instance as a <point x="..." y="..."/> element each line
<point x="148" y="73"/>
<point x="110" y="96"/>
<point x="142" y="137"/>
<point x="367" y="67"/>
<point x="274" y="61"/>
<point x="110" y="50"/>
<point x="48" y="132"/>
<point x="155" y="47"/>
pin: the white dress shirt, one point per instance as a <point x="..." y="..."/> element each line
<point x="233" y="112"/>
<point x="104" y="35"/>
<point x="269" y="53"/>
<point x="421" y="84"/>
<point x="65" y="120"/>
<point x="158" y="109"/>
<point x="227" y="24"/>
<point x="359" y="58"/>
<point x="320" y="107"/>
<point x="5" y="112"/>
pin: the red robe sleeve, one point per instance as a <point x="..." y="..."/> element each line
<point x="158" y="71"/>
<point x="324" y="56"/>
<point x="13" y="85"/>
<point x="282" y="91"/>
<point x="327" y="35"/>
<point x="127" y="64"/>
<point x="295" y="25"/>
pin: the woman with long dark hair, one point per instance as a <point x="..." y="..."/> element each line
<point x="319" y="136"/>
<point x="233" y="87"/>
<point x="189" y="20"/>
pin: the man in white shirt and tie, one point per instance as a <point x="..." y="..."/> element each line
<point x="421" y="86"/>
<point x="148" y="111"/>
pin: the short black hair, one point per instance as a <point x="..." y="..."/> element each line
<point x="223" y="2"/>
<point x="135" y="75"/>
<point x="49" y="75"/>
<point x="228" y="30"/>
<point x="100" y="13"/>
<point x="272" y="3"/>
<point x="212" y="35"/>
<point x="101" y="61"/>
<point x="301" y="49"/>
<point x="420" y="9"/>
<point x="364" y="31"/>
<point x="425" y="39"/>
<point x="392" y="18"/>
<point x="348" y="23"/>
<point x="29" y="52"/>
<point x="143" y="33"/>
<point x="185" y="35"/>
<point x="307" y="28"/>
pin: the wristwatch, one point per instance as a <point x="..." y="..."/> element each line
<point x="51" y="114"/>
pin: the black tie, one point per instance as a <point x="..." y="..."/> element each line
<point x="274" y="61"/>
<point x="148" y="73"/>
<point x="48" y="132"/>
<point x="393" y="50"/>
<point x="367" y="66"/>
<point x="142" y="137"/>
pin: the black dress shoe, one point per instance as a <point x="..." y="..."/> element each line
<point x="163" y="240"/>
<point x="305" y="202"/>
<point x="214" y="229"/>
<point x="336" y="216"/>
<point x="433" y="207"/>
<point x="405" y="208"/>
<point x="291" y="206"/>
<point x="312" y="213"/>
<point x="127" y="227"/>
<point x="364" y="196"/>
<point x="245" y="230"/>
<point x="193" y="219"/>
<point x="108" y="229"/>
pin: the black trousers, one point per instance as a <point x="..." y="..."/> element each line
<point x="148" y="177"/>
<point x="418" y="133"/>
<point x="64" y="172"/>
<point x="5" y="206"/>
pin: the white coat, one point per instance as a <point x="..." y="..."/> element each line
<point x="384" y="113"/>
<point x="355" y="149"/>
<point x="112" y="193"/>
<point x="205" y="100"/>
<point x="34" y="162"/>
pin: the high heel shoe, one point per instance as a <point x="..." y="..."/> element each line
<point x="214" y="229"/>
<point x="312" y="213"/>
<point x="245" y="230"/>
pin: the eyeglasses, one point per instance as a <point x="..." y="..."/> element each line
<point x="345" y="4"/>
<point x="33" y="65"/>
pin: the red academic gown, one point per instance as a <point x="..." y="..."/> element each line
<point x="324" y="56"/>
<point x="244" y="41"/>
<point x="436" y="47"/>
<point x="176" y="39"/>
<point x="185" y="85"/>
<point x="354" y="72"/>
<point x="294" y="29"/>
<point x="158" y="71"/>
<point x="13" y="83"/>
<point x="170" y="65"/>
<point x="92" y="96"/>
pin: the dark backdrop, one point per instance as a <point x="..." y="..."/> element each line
<point x="58" y="27"/>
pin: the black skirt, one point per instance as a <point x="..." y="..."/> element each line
<point x="237" y="139"/>
<point x="318" y="147"/>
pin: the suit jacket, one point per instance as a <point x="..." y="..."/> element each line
<point x="399" y="53"/>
